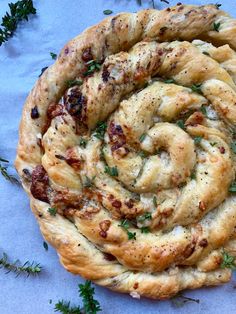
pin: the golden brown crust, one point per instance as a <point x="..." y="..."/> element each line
<point x="170" y="182"/>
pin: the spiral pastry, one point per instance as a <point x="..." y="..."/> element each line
<point x="127" y="151"/>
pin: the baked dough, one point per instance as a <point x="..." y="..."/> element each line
<point x="137" y="160"/>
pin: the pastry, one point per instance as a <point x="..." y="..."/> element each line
<point x="127" y="151"/>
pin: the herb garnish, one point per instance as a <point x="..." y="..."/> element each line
<point x="154" y="200"/>
<point x="112" y="171"/>
<point x="6" y="175"/>
<point x="126" y="225"/>
<point x="107" y="12"/>
<point x="232" y="187"/>
<point x="206" y="53"/>
<point x="93" y="66"/>
<point x="218" y="5"/>
<point x="83" y="142"/>
<point x="52" y="211"/>
<point x="228" y="261"/>
<point x="90" y="305"/>
<point x="145" y="230"/>
<point x="45" y="245"/>
<point x="216" y="26"/>
<point x="180" y="124"/>
<point x="146" y="216"/>
<point x="53" y="55"/>
<point x="89" y="182"/>
<point x="142" y="154"/>
<point x="19" y="11"/>
<point x="197" y="139"/>
<point x="29" y="268"/>
<point x="179" y="300"/>
<point x="196" y="88"/>
<point x="100" y="130"/>
<point x="233" y="146"/>
<point x="142" y="137"/>
<point x="71" y="83"/>
<point x="42" y="70"/>
<point x="203" y="110"/>
<point x="213" y="143"/>
<point x="169" y="81"/>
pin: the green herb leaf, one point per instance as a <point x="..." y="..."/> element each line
<point x="107" y="12"/>
<point x="83" y="142"/>
<point x="45" y="245"/>
<point x="145" y="216"/>
<point x="232" y="187"/>
<point x="233" y="146"/>
<point x="86" y="292"/>
<point x="65" y="308"/>
<point x="180" y="124"/>
<point x="142" y="154"/>
<point x="213" y="143"/>
<point x="89" y="182"/>
<point x="53" y="55"/>
<point x="216" y="26"/>
<point x="169" y="81"/>
<point x="218" y="5"/>
<point x="142" y="137"/>
<point x="71" y="83"/>
<point x="197" y="139"/>
<point x="228" y="261"/>
<point x="29" y="268"/>
<point x="193" y="175"/>
<point x="92" y="66"/>
<point x="42" y="70"/>
<point x="52" y="211"/>
<point x="145" y="230"/>
<point x="19" y="11"/>
<point x="203" y="110"/>
<point x="100" y="130"/>
<point x="131" y="235"/>
<point x="112" y="171"/>
<point x="206" y="53"/>
<point x="196" y="88"/>
<point x="5" y="174"/>
<point x="125" y="225"/>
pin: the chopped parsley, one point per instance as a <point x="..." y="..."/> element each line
<point x="145" y="216"/>
<point x="93" y="66"/>
<point x="112" y="171"/>
<point x="142" y="154"/>
<point x="45" y="245"/>
<point x="206" y="53"/>
<point x="145" y="230"/>
<point x="169" y="81"/>
<point x="213" y="143"/>
<point x="203" y="110"/>
<point x="89" y="182"/>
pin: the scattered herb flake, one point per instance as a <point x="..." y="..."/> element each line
<point x="233" y="146"/>
<point x="216" y="26"/>
<point x="92" y="66"/>
<point x="196" y="88"/>
<point x="218" y="5"/>
<point x="112" y="171"/>
<point x="100" y="130"/>
<point x="45" y="245"/>
<point x="145" y="230"/>
<point x="107" y="12"/>
<point x="145" y="216"/>
<point x="232" y="187"/>
<point x="142" y="154"/>
<point x="52" y="211"/>
<point x="71" y="83"/>
<point x="193" y="175"/>
<point x="5" y="174"/>
<point x="42" y="70"/>
<point x="203" y="110"/>
<point x="206" y="53"/>
<point x="180" y="124"/>
<point x="154" y="200"/>
<point x="83" y="142"/>
<point x="197" y="139"/>
<point x="86" y="292"/>
<point x="89" y="182"/>
<point x="169" y="81"/>
<point x="125" y="225"/>
<point x="142" y="137"/>
<point x="53" y="55"/>
<point x="180" y="300"/>
<point x="213" y="143"/>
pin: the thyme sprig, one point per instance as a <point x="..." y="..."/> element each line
<point x="228" y="261"/>
<point x="19" y="11"/>
<point x="28" y="268"/>
<point x="5" y="174"/>
<point x="125" y="224"/>
<point x="90" y="305"/>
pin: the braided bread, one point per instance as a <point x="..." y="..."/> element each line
<point x="128" y="137"/>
